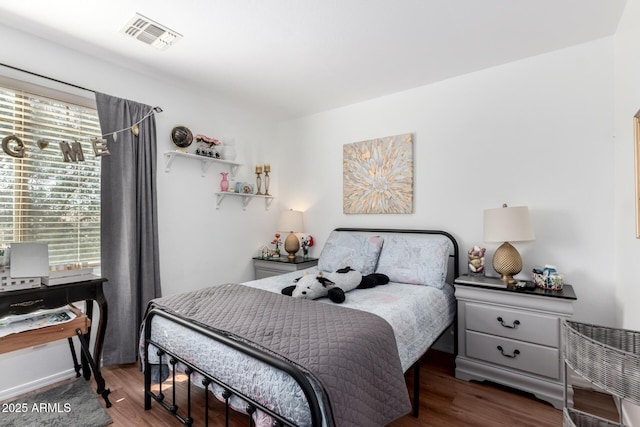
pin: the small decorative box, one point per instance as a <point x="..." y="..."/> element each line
<point x="547" y="278"/>
<point x="8" y="283"/>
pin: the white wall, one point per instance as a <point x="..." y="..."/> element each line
<point x="213" y="246"/>
<point x="537" y="132"/>
<point x="627" y="105"/>
<point x="627" y="97"/>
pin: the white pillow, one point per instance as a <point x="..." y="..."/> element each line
<point x="346" y="249"/>
<point x="415" y="260"/>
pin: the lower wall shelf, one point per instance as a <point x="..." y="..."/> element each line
<point x="246" y="199"/>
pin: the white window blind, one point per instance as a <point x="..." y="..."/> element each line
<point x="43" y="198"/>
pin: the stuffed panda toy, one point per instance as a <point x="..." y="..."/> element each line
<point x="333" y="285"/>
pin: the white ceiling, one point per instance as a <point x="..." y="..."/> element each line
<point x="297" y="57"/>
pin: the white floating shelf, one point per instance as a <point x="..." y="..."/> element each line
<point x="246" y="199"/>
<point x="205" y="162"/>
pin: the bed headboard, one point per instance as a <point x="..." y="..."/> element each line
<point x="453" y="269"/>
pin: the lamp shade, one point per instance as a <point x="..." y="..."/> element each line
<point x="508" y="224"/>
<point x="291" y="221"/>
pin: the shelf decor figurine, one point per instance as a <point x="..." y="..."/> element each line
<point x="228" y="150"/>
<point x="258" y="179"/>
<point x="208" y="146"/>
<point x="267" y="170"/>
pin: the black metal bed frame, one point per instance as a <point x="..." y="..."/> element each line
<point x="300" y="378"/>
<point x="228" y="390"/>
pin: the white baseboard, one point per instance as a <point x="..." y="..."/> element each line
<point x="35" y="385"/>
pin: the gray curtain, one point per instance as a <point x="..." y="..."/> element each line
<point x="129" y="224"/>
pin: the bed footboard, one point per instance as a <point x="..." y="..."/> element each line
<point x="209" y="378"/>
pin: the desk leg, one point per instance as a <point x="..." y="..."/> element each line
<point x="88" y="307"/>
<point x="96" y="372"/>
<point x="76" y="365"/>
<point x="102" y="327"/>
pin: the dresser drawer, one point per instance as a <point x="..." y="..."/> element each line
<point x="527" y="357"/>
<point x="273" y="267"/>
<point x="519" y="325"/>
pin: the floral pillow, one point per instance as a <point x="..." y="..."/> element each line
<point x="414" y="260"/>
<point x="344" y="249"/>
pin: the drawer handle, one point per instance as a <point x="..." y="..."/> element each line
<point x="512" y="356"/>
<point x="26" y="303"/>
<point x="515" y="323"/>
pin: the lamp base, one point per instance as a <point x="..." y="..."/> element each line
<point x="507" y="262"/>
<point x="291" y="245"/>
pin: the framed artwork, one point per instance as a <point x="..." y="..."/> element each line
<point x="378" y="176"/>
<point x="636" y="149"/>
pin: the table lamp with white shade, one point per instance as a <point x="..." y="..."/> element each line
<point x="291" y="221"/>
<point x="507" y="224"/>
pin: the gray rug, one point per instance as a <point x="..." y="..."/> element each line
<point x="74" y="404"/>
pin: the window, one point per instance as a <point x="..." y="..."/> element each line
<point x="42" y="197"/>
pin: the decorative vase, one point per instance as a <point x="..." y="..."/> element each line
<point x="476" y="261"/>
<point x="224" y="184"/>
<point x="228" y="150"/>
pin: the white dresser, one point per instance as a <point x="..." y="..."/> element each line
<point x="512" y="337"/>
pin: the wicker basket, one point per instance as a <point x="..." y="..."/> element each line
<point x="608" y="357"/>
<point x="573" y="418"/>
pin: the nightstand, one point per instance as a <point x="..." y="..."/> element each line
<point x="512" y="337"/>
<point x="267" y="267"/>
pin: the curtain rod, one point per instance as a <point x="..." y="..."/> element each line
<point x="155" y="109"/>
<point x="46" y="77"/>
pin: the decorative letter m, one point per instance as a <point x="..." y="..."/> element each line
<point x="73" y="152"/>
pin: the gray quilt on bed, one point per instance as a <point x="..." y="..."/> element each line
<point x="350" y="353"/>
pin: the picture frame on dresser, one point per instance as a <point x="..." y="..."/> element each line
<point x="512" y="336"/>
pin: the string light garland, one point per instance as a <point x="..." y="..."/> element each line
<point x="134" y="127"/>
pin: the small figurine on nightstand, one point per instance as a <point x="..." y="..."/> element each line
<point x="476" y="260"/>
<point x="264" y="252"/>
<point x="548" y="278"/>
<point x="306" y="242"/>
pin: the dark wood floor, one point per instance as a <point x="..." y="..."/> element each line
<point x="445" y="401"/>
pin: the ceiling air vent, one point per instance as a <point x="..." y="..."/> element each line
<point x="150" y="32"/>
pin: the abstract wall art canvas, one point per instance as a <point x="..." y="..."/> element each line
<point x="378" y="176"/>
